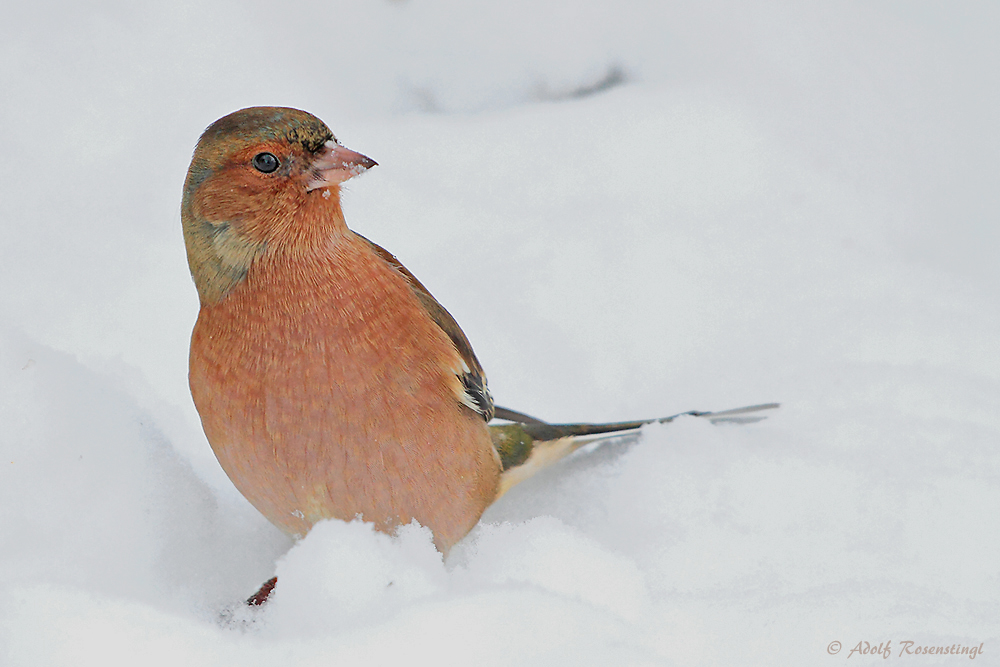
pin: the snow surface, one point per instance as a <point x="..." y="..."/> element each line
<point x="634" y="208"/>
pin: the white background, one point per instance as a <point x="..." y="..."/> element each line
<point x="781" y="201"/>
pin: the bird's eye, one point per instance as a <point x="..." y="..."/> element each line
<point x="265" y="162"/>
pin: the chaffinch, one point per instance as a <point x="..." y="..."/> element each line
<point x="330" y="383"/>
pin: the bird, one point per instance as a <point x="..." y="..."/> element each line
<point x="330" y="383"/>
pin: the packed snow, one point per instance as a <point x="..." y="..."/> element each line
<point x="633" y="209"/>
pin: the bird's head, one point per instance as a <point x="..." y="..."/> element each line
<point x="261" y="177"/>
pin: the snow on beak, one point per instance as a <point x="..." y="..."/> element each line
<point x="333" y="164"/>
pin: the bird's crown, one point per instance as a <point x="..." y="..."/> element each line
<point x="260" y="123"/>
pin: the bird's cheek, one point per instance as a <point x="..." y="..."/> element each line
<point x="217" y="205"/>
<point x="231" y="196"/>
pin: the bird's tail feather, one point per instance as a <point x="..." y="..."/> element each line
<point x="528" y="444"/>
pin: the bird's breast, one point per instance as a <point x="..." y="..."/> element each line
<point x="327" y="391"/>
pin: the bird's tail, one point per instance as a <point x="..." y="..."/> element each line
<point x="526" y="445"/>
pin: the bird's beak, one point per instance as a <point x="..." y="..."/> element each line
<point x="334" y="164"/>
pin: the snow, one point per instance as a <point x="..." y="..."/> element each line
<point x="779" y="201"/>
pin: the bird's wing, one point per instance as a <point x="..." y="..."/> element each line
<point x="473" y="378"/>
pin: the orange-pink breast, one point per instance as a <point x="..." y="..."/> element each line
<point x="326" y="391"/>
